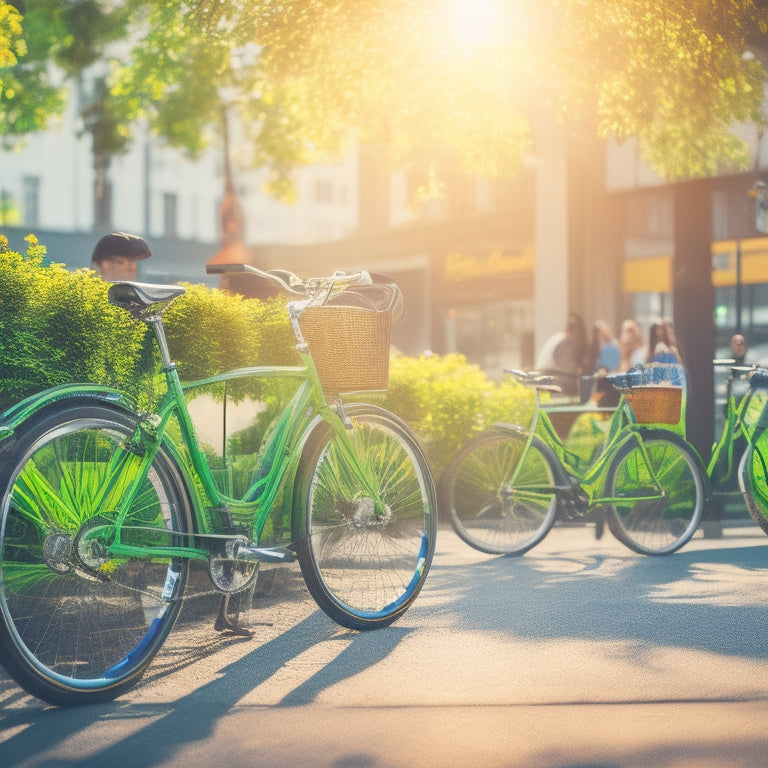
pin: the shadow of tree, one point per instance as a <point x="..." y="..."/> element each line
<point x="194" y="717"/>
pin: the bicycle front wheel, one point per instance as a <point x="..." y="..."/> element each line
<point x="659" y="485"/>
<point x="364" y="524"/>
<point x="501" y="494"/>
<point x="76" y="625"/>
<point x="754" y="473"/>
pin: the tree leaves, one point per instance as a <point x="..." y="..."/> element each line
<point x="307" y="75"/>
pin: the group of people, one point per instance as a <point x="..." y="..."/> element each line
<point x="572" y="353"/>
<point x="575" y="351"/>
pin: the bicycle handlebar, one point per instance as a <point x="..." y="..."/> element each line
<point x="535" y="379"/>
<point x="290" y="282"/>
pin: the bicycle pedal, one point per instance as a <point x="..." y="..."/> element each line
<point x="267" y="554"/>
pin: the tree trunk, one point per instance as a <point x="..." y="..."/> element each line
<point x="694" y="303"/>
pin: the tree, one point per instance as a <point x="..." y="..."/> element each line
<point x="418" y="76"/>
<point x="36" y="33"/>
<point x="27" y="98"/>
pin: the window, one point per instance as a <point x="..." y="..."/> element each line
<point x="170" y="206"/>
<point x="323" y="191"/>
<point x="31" y="201"/>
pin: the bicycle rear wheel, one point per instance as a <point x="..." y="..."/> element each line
<point x="661" y="488"/>
<point x="77" y="626"/>
<point x="363" y="564"/>
<point x="493" y="509"/>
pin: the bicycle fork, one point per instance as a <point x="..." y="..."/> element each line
<point x="651" y="490"/>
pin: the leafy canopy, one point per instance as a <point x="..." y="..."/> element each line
<point x="414" y="77"/>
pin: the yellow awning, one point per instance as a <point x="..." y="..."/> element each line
<point x="754" y="261"/>
<point x="651" y="275"/>
<point x="654" y="274"/>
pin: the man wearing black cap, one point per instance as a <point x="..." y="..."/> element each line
<point x="116" y="256"/>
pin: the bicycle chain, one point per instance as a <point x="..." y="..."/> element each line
<point x="158" y="596"/>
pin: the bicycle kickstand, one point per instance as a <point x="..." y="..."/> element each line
<point x="224" y="623"/>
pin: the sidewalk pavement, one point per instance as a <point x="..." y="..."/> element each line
<point x="581" y="654"/>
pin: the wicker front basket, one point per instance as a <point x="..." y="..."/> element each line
<point x="656" y="404"/>
<point x="349" y="346"/>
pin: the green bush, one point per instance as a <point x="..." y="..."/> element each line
<point x="210" y="331"/>
<point x="447" y="400"/>
<point x="57" y="327"/>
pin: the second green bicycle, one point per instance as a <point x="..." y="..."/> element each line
<point x="504" y="488"/>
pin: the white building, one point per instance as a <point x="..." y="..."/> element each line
<point x="48" y="187"/>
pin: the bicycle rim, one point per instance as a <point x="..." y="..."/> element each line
<point x="364" y="564"/>
<point x="662" y="494"/>
<point x="79" y="629"/>
<point x="501" y="495"/>
<point x="754" y="473"/>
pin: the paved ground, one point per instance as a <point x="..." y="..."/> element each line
<point x="578" y="655"/>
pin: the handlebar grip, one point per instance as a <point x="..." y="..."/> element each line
<point x="220" y="269"/>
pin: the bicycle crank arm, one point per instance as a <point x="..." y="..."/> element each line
<point x="265" y="554"/>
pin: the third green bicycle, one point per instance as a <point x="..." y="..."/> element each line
<point x="739" y="462"/>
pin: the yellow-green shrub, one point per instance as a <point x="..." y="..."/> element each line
<point x="57" y="326"/>
<point x="447" y="400"/>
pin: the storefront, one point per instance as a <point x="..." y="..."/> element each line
<point x="485" y="306"/>
<point x="468" y="284"/>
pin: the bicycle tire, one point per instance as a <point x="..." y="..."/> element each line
<point x="73" y="632"/>
<point x="486" y="511"/>
<point x="658" y="526"/>
<point x="754" y="475"/>
<point x="364" y="568"/>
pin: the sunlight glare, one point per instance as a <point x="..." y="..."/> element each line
<point x="474" y="22"/>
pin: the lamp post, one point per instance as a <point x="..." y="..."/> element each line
<point x="230" y="211"/>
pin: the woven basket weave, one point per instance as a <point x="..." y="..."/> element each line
<point x="349" y="346"/>
<point x="656" y="404"/>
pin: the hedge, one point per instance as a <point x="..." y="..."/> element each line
<point x="57" y="326"/>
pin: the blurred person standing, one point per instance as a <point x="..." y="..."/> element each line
<point x="631" y="348"/>
<point x="565" y="354"/>
<point x="605" y="349"/>
<point x="739" y="349"/>
<point x="662" y="344"/>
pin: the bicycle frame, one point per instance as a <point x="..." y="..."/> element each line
<point x="283" y="445"/>
<point x="734" y="427"/>
<point x="591" y="478"/>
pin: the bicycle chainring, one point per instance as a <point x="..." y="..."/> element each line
<point x="57" y="552"/>
<point x="229" y="573"/>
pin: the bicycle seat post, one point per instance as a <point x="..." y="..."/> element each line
<point x="155" y="321"/>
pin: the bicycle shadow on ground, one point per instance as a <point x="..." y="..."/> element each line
<point x="713" y="599"/>
<point x="194" y="716"/>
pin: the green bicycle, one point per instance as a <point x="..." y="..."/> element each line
<point x="746" y="433"/>
<point x="102" y="507"/>
<point x="726" y="464"/>
<point x="505" y="487"/>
